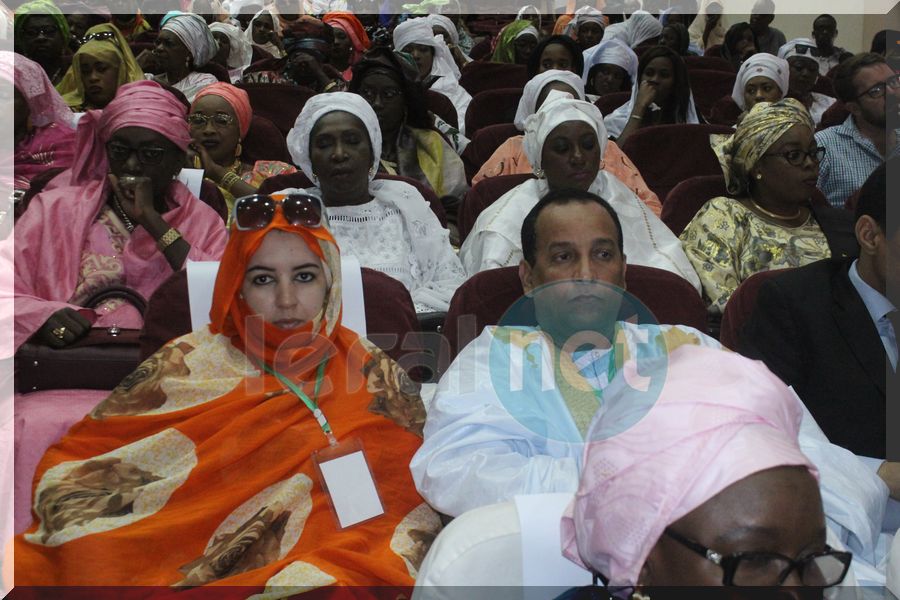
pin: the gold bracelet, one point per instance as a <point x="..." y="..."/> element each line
<point x="636" y="117"/>
<point x="167" y="239"/>
<point x="229" y="179"/>
<point x="331" y="85"/>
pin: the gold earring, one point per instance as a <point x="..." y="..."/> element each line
<point x="539" y="173"/>
<point x="372" y="171"/>
<point x="758" y="176"/>
<point x="238" y="151"/>
<point x="639" y="596"/>
<point x="315" y="180"/>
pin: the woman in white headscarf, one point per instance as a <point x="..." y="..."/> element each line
<point x="642" y="27"/>
<point x="446" y="28"/>
<point x="235" y="53"/>
<point x="609" y="67"/>
<point x="761" y="78"/>
<point x="587" y="27"/>
<point x="416" y="37"/>
<point x="564" y="144"/>
<point x="510" y="158"/>
<point x="184" y="44"/>
<point x="265" y="31"/>
<point x="386" y="224"/>
<point x="804" y="73"/>
<point x="709" y="26"/>
<point x="660" y="95"/>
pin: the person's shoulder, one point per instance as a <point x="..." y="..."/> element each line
<point x="809" y="281"/>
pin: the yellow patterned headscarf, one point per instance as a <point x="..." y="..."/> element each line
<point x="761" y="127"/>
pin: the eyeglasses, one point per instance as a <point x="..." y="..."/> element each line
<point x="44" y="31"/>
<point x="796" y="158"/>
<point x="257" y="211"/>
<point x="220" y="120"/>
<point x="769" y="569"/>
<point x="100" y="36"/>
<point x="147" y="155"/>
<point x="878" y="90"/>
<point x="386" y="94"/>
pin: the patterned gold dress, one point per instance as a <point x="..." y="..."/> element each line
<point x="726" y="243"/>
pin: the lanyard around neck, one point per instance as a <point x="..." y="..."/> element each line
<point x="311" y="403"/>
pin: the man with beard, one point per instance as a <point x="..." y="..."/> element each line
<point x="42" y="34"/>
<point x="510" y="414"/>
<point x="853" y="150"/>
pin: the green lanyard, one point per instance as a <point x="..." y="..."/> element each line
<point x="310" y="403"/>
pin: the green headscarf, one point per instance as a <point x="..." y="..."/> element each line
<point x="114" y="50"/>
<point x="761" y="127"/>
<point x="41" y="7"/>
<point x="505" y="50"/>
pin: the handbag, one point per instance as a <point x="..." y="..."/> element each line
<point x="97" y="361"/>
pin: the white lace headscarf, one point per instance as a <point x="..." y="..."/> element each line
<point x="528" y="101"/>
<point x="299" y="137"/>
<point x="241" y="54"/>
<point x="761" y="65"/>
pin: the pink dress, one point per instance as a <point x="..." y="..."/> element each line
<point x="48" y="147"/>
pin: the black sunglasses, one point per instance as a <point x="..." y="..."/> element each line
<point x="257" y="211"/>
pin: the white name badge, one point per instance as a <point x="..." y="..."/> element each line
<point x="344" y="474"/>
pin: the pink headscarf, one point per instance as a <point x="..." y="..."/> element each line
<point x="718" y="418"/>
<point x="236" y="97"/>
<point x="44" y="102"/>
<point x="140" y="104"/>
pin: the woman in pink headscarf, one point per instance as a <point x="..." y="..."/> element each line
<point x="42" y="123"/>
<point x="219" y="120"/>
<point x="119" y="218"/>
<point x="726" y="497"/>
<point x="350" y="41"/>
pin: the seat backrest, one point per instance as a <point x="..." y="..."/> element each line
<point x="688" y="197"/>
<point x="824" y="85"/>
<point x="835" y="114"/>
<point x="713" y="63"/>
<point x="666" y="155"/>
<point x="483" y="145"/>
<point x="479" y="76"/>
<point x="216" y="70"/>
<point x="608" y="103"/>
<point x="278" y="102"/>
<point x="740" y="306"/>
<point x="264" y="141"/>
<point x="724" y="112"/>
<point x="300" y="180"/>
<point x="442" y="106"/>
<point x="708" y="86"/>
<point x="714" y="50"/>
<point x="483" y="194"/>
<point x="390" y="314"/>
<point x="492" y="107"/>
<point x="484" y="298"/>
<point x="212" y="195"/>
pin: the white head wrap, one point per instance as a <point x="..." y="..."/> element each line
<point x="276" y="27"/>
<point x="193" y="32"/>
<point x="641" y="27"/>
<point x="528" y="9"/>
<point x="241" y="54"/>
<point x="610" y="52"/>
<point x="559" y="108"/>
<point x="299" y="137"/>
<point x="419" y="31"/>
<point x="235" y="8"/>
<point x="797" y="47"/>
<point x="760" y="65"/>
<point x="534" y="87"/>
<point x="530" y="30"/>
<point x="446" y="24"/>
<point x="585" y="14"/>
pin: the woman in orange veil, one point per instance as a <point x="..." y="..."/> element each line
<point x="198" y="469"/>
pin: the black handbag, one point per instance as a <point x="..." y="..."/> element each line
<point x="97" y="361"/>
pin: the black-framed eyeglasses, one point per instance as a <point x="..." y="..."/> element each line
<point x="796" y="158"/>
<point x="385" y="94"/>
<point x="220" y="120"/>
<point x="48" y="31"/>
<point x="770" y="569"/>
<point x="147" y="155"/>
<point x="878" y="90"/>
<point x="257" y="211"/>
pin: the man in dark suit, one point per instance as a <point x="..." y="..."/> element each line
<point x="826" y="329"/>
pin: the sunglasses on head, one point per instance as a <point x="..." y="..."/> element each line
<point x="257" y="211"/>
<point x="100" y="36"/>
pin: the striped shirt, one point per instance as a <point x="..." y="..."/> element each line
<point x="850" y="158"/>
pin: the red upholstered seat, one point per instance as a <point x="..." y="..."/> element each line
<point x="483" y="145"/>
<point x="442" y="106"/>
<point x="836" y="114"/>
<point x="740" y="306"/>
<point x="482" y="195"/>
<point x="278" y="102"/>
<point x="666" y="155"/>
<point x="708" y="86"/>
<point x="610" y="102"/>
<point x="824" y="85"/>
<point x="477" y="76"/>
<point x="713" y="63"/>
<point x="259" y="54"/>
<point x="484" y="298"/>
<point x="724" y="112"/>
<point x="212" y="195"/>
<point x="264" y="141"/>
<point x="714" y="50"/>
<point x="481" y="50"/>
<point x="220" y="72"/>
<point x="688" y="197"/>
<point x="492" y="107"/>
<point x="300" y="180"/>
<point x="390" y="314"/>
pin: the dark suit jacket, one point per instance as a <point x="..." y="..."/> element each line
<point x="811" y="328"/>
